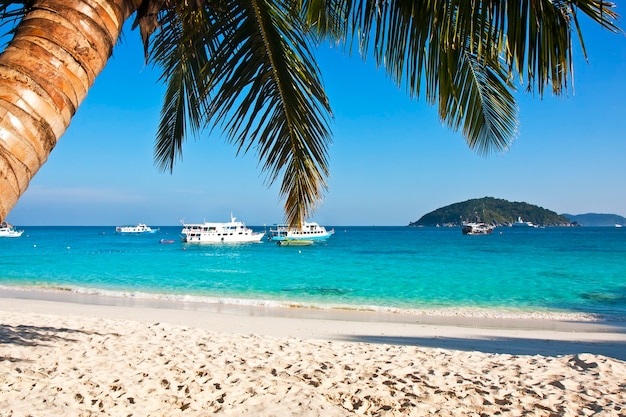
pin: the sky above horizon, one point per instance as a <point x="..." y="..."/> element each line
<point x="391" y="161"/>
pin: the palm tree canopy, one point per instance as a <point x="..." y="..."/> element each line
<point x="246" y="68"/>
<point x="464" y="55"/>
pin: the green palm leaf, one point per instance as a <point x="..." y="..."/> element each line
<point x="480" y="102"/>
<point x="462" y="54"/>
<point x="246" y="67"/>
<point x="180" y="50"/>
<point x="539" y="38"/>
<point x="266" y="94"/>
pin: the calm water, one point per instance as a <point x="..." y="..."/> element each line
<point x="543" y="271"/>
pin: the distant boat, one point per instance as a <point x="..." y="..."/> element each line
<point x="308" y="231"/>
<point x="6" y="230"/>
<point x="135" y="230"/>
<point x="166" y="241"/>
<point x="521" y="223"/>
<point x="618" y="225"/>
<point x="476" y="229"/>
<point x="230" y="232"/>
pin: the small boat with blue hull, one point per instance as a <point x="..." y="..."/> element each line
<point x="308" y="231"/>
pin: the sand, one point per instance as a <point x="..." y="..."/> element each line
<point x="99" y="357"/>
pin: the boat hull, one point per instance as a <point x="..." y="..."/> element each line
<point x="296" y="242"/>
<point x="11" y="233"/>
<point x="296" y="237"/>
<point x="219" y="238"/>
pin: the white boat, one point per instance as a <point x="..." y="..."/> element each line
<point x="308" y="231"/>
<point x="476" y="229"/>
<point x="521" y="223"/>
<point x="6" y="230"/>
<point x="135" y="230"/>
<point x="231" y="232"/>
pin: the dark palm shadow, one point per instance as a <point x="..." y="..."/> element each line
<point x="35" y="335"/>
<point x="506" y="345"/>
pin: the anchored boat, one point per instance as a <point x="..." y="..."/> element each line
<point x="522" y="223"/>
<point x="476" y="229"/>
<point x="230" y="232"/>
<point x="135" y="230"/>
<point x="6" y="230"/>
<point x="308" y="231"/>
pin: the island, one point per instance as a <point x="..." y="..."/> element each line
<point x="597" y="219"/>
<point x="492" y="211"/>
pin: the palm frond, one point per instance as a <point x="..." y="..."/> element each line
<point x="326" y="19"/>
<point x="462" y="54"/>
<point x="449" y="51"/>
<point x="478" y="100"/>
<point x="246" y="68"/>
<point x="539" y="38"/>
<point x="180" y="50"/>
<point x="266" y="95"/>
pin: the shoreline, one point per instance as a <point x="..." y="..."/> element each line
<point x="87" y="356"/>
<point x="213" y="303"/>
<point x="534" y="336"/>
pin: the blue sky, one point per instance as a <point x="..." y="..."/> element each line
<point x="391" y="161"/>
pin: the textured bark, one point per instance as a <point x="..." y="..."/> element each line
<point x="45" y="73"/>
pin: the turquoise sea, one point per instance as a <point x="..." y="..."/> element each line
<point x="513" y="272"/>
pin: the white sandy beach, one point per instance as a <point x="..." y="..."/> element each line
<point x="61" y="358"/>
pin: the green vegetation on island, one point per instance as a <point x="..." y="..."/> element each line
<point x="494" y="211"/>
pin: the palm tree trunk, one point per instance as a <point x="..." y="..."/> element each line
<point x="58" y="50"/>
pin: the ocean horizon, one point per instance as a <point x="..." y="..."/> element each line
<point x="561" y="272"/>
